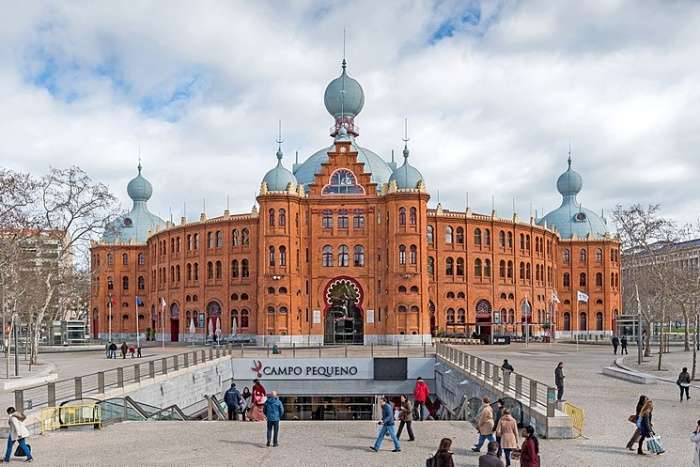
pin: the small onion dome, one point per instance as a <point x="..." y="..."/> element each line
<point x="139" y="189"/>
<point x="570" y="182"/>
<point x="406" y="177"/>
<point x="279" y="178"/>
<point x="344" y="96"/>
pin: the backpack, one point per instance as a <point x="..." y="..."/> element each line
<point x="430" y="462"/>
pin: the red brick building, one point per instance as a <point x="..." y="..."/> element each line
<point x="343" y="248"/>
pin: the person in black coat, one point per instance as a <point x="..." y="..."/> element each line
<point x="646" y="429"/>
<point x="233" y="401"/>
<point x="623" y="344"/>
<point x="635" y="435"/>
<point x="615" y="343"/>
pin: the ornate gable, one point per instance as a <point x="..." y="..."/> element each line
<point x="342" y="174"/>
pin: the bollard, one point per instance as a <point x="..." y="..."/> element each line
<point x="518" y="386"/>
<point x="137" y="372"/>
<point x="78" y="387"/>
<point x="19" y="400"/>
<point x="100" y="382"/>
<point x="51" y="387"/>
<point x="164" y="365"/>
<point x="186" y="358"/>
<point x="120" y="377"/>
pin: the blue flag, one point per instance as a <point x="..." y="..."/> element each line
<point x="139" y="302"/>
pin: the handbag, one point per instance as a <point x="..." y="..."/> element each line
<point x="654" y="445"/>
<point x="430" y="462"/>
<point x="632" y="419"/>
<point x="19" y="452"/>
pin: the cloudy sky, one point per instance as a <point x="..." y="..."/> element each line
<point x="494" y="92"/>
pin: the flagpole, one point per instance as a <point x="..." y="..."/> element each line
<point x="110" y="319"/>
<point x="577" y="321"/>
<point x="162" y="322"/>
<point x="137" y="321"/>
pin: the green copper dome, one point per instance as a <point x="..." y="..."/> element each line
<point x="570" y="182"/>
<point x="344" y="96"/>
<point x="406" y="177"/>
<point x="279" y="178"/>
<point x="139" y="189"/>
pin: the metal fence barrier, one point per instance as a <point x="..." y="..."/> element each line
<point x="577" y="418"/>
<point x="54" y="418"/>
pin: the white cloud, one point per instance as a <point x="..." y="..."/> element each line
<point x="491" y="109"/>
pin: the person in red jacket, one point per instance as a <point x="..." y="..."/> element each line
<point x="530" y="451"/>
<point x="420" y="394"/>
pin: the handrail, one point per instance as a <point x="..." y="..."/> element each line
<point x="536" y="393"/>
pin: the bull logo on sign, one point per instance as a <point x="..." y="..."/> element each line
<point x="257" y="368"/>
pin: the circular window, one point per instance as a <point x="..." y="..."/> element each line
<point x="128" y="222"/>
<point x="580" y="217"/>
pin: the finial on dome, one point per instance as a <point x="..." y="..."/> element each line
<point x="569" y="159"/>
<point x="279" y="141"/>
<point x="139" y="166"/>
<point x="405" y="138"/>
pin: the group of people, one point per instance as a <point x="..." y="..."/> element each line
<point x="111" y="350"/>
<point x="620" y="342"/>
<point x="256" y="406"/>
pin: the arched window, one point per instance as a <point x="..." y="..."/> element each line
<point x="460" y="295"/>
<point x="125" y="283"/>
<point x="448" y="234"/>
<point x="566" y="282"/>
<point x="244" y="296"/>
<point x="235" y="240"/>
<point x="461" y="316"/>
<point x="510" y="239"/>
<point x="477" y="237"/>
<point x="110" y="283"/>
<point x="271" y="309"/>
<point x="359" y="255"/>
<point x="402" y="216"/>
<point x="487" y="268"/>
<point x="234" y="318"/>
<point x="327" y="219"/>
<point x="510" y="270"/>
<point x="477" y="267"/>
<point x="172" y="273"/>
<point x="244" y="318"/>
<point x="527" y="242"/>
<point x="487" y="237"/>
<point x="431" y="266"/>
<point x="343" y="222"/>
<point x="511" y="316"/>
<point x="566" y="256"/>
<point x="450" y="316"/>
<point x="415" y="309"/>
<point x="402" y="254"/>
<point x="599" y="321"/>
<point x="234" y="297"/>
<point x="196" y="241"/>
<point x="141" y="283"/>
<point x="327" y="256"/>
<point x="450" y="295"/>
<point x="283" y="217"/>
<point x="449" y="266"/>
<point x="245" y="272"/>
<point x="402" y="289"/>
<point x="599" y="279"/>
<point x="522" y="270"/>
<point x="219" y="239"/>
<point x="343" y="256"/>
<point x="189" y="242"/>
<point x="177" y="273"/>
<point x="460" y="266"/>
<point x="110" y="259"/>
<point x="567" y="321"/>
<point x="599" y="256"/>
<point x="189" y="272"/>
<point x="414" y="289"/>
<point x="245" y="237"/>
<point x="271" y="255"/>
<point x="460" y="235"/>
<point x="502" y="269"/>
<point x="210" y="240"/>
<point x="283" y="256"/>
<point x="219" y="271"/>
<point x="502" y="238"/>
<point x="528" y="271"/>
<point x="583" y="321"/>
<point x="210" y="270"/>
<point x="582" y="256"/>
<point x="413" y="258"/>
<point x="234" y="268"/>
<point x="283" y="309"/>
<point x="412" y="217"/>
<point x="430" y="234"/>
<point x="141" y="259"/>
<point x="582" y="279"/>
<point x="271" y="217"/>
<point x="522" y="241"/>
<point x="402" y="309"/>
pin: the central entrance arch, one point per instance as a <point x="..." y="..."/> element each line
<point x="343" y="314"/>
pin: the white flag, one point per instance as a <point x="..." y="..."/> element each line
<point x="581" y="297"/>
<point x="555" y="298"/>
<point x="162" y="303"/>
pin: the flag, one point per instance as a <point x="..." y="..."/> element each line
<point x="162" y="303"/>
<point x="581" y="297"/>
<point x="555" y="297"/>
<point x="139" y="302"/>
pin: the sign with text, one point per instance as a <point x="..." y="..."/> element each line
<point x="370" y="316"/>
<point x="302" y="368"/>
<point x="316" y="319"/>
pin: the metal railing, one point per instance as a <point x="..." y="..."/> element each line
<point x="534" y="394"/>
<point x="577" y="418"/>
<point x="54" y="418"/>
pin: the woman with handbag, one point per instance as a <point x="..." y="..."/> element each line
<point x="507" y="431"/>
<point x="530" y="450"/>
<point x="259" y="398"/>
<point x="19" y="433"/>
<point x="633" y="419"/>
<point x="644" y="425"/>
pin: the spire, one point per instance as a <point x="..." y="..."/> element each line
<point x="405" y="139"/>
<point x="279" y="141"/>
<point x="569" y="159"/>
<point x="139" y="166"/>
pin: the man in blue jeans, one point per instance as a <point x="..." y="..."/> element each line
<point x="273" y="411"/>
<point x="387" y="424"/>
<point x="18" y="432"/>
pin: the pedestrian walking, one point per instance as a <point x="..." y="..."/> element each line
<point x="507" y="366"/>
<point x="623" y="346"/>
<point x="138" y="350"/>
<point x="420" y="395"/>
<point x="124" y="349"/>
<point x="19" y="433"/>
<point x="258" y="399"/>
<point x="507" y="433"/>
<point x="484" y="424"/>
<point x="112" y="350"/>
<point x="443" y="456"/>
<point x="615" y="343"/>
<point x="107" y="352"/>
<point x="530" y="450"/>
<point x="695" y="439"/>
<point x="683" y="383"/>
<point x="233" y="401"/>
<point x="490" y="459"/>
<point x="246" y="402"/>
<point x="405" y="418"/>
<point x="498" y="407"/>
<point x="387" y="426"/>
<point x="646" y="429"/>
<point x="273" y="411"/>
<point x="559" y="381"/>
<point x="633" y="419"/>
